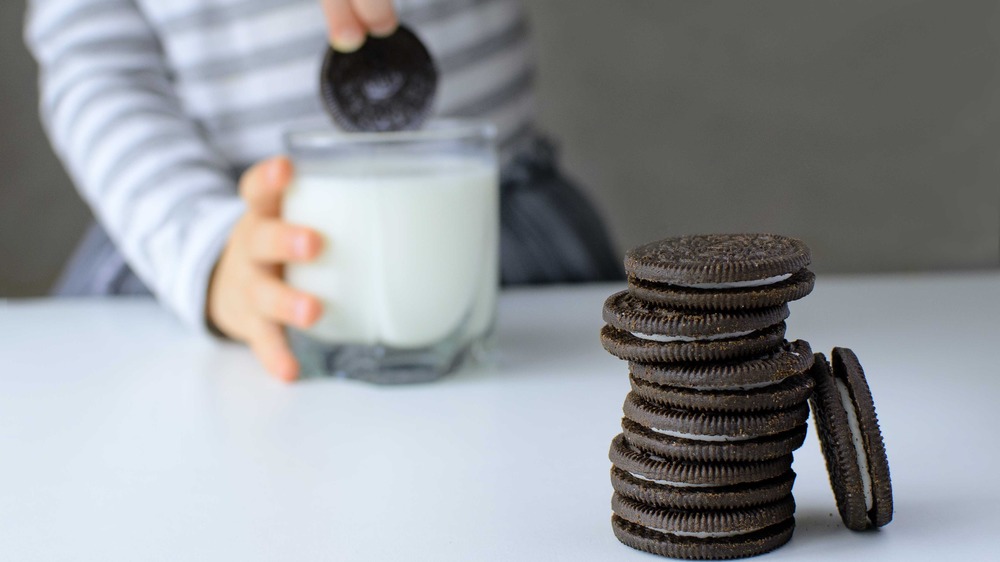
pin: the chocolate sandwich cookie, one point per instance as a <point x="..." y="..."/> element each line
<point x="713" y="436"/>
<point x="743" y="450"/>
<point x="652" y="322"/>
<point x="657" y="494"/>
<point x="628" y="346"/>
<point x="767" y="368"/>
<point x="793" y="288"/>
<point x="703" y="523"/>
<point x="851" y="441"/>
<point x="712" y="426"/>
<point x="387" y="85"/>
<point x="703" y="534"/>
<point x="682" y="473"/>
<point x="785" y="394"/>
<point x="718" y="261"/>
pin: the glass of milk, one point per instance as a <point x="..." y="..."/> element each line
<point x="409" y="270"/>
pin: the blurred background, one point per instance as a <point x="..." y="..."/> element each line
<point x="869" y="129"/>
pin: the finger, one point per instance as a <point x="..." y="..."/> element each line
<point x="275" y="241"/>
<point x="271" y="348"/>
<point x="280" y="303"/>
<point x="378" y="16"/>
<point x="347" y="33"/>
<point x="263" y="184"/>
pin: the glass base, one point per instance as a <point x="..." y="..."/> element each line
<point x="379" y="364"/>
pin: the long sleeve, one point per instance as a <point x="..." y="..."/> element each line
<point x="164" y="195"/>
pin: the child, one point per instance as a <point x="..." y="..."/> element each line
<point x="168" y="116"/>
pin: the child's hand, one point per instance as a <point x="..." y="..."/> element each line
<point x="350" y="21"/>
<point x="247" y="298"/>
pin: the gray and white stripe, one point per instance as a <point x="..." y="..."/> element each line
<point x="152" y="106"/>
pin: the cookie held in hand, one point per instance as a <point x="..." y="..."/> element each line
<point x="387" y="85"/>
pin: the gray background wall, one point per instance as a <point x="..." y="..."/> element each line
<point x="869" y="129"/>
<point x="40" y="214"/>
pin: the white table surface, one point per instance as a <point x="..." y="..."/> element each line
<point x="124" y="437"/>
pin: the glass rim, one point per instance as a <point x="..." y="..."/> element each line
<point x="433" y="130"/>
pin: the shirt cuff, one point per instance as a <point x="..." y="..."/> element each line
<point x="195" y="271"/>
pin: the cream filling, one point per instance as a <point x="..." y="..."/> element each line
<point x="663" y="338"/>
<point x="698" y="437"/>
<point x="741" y="387"/>
<point x="706" y="535"/>
<point x="858" y="441"/>
<point x="737" y="284"/>
<point x="669" y="483"/>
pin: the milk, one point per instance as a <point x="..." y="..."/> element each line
<point x="410" y="247"/>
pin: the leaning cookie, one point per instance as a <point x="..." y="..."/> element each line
<point x="851" y="441"/>
<point x="701" y="535"/>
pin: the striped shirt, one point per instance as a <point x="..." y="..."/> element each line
<point x="156" y="107"/>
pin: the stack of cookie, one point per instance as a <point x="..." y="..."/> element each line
<point x="719" y="398"/>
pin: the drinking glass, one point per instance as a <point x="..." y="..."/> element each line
<point x="409" y="271"/>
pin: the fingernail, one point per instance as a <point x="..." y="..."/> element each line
<point x="300" y="245"/>
<point x="385" y="30"/>
<point x="302" y="311"/>
<point x="348" y="40"/>
<point x="274" y="170"/>
<point x="287" y="374"/>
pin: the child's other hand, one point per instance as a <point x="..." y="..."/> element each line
<point x="247" y="298"/>
<point x="350" y="21"/>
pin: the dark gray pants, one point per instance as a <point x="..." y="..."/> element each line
<point x="549" y="233"/>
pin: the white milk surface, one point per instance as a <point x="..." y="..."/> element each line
<point x="411" y="247"/>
